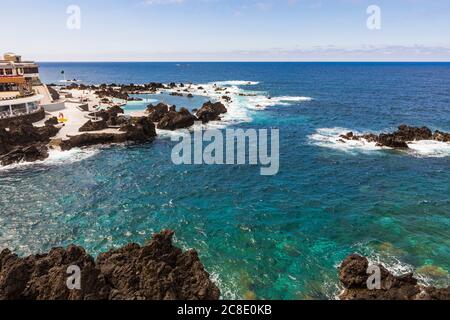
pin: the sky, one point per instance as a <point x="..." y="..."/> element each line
<point x="227" y="30"/>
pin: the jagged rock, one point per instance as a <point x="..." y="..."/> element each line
<point x="53" y="121"/>
<point x="24" y="142"/>
<point x="91" y="139"/>
<point x="112" y="93"/>
<point x="156" y="271"/>
<point x="177" y="120"/>
<point x="407" y="133"/>
<point x="353" y="274"/>
<point x="136" y="130"/>
<point x="141" y="129"/>
<point x="156" y="113"/>
<point x="93" y="126"/>
<point x="400" y="138"/>
<point x="391" y="141"/>
<point x="25" y="154"/>
<point x="441" y="136"/>
<point x="211" y="111"/>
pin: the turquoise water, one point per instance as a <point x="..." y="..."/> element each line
<point x="277" y="237"/>
<point x="189" y="103"/>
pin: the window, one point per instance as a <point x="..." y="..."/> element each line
<point x="30" y="70"/>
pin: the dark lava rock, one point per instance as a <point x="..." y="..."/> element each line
<point x="135" y="130"/>
<point x="142" y="129"/>
<point x="156" y="113"/>
<point x="93" y="126"/>
<point x="441" y="136"/>
<point x="353" y="274"/>
<point x="53" y="121"/>
<point x="53" y="93"/>
<point x="400" y="138"/>
<point x="156" y="271"/>
<point x="91" y="139"/>
<point x="24" y="142"/>
<point x="407" y="133"/>
<point x="211" y="111"/>
<point x="25" y="154"/>
<point x="391" y="141"/>
<point x="177" y="120"/>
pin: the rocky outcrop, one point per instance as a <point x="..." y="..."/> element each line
<point x="177" y="120"/>
<point x="24" y="142"/>
<point x="112" y="93"/>
<point x="112" y="117"/>
<point x="441" y="136"/>
<point x="135" y="130"/>
<point x="353" y="274"/>
<point x="30" y="153"/>
<point x="400" y="138"/>
<point x="53" y="121"/>
<point x="93" y="126"/>
<point x="211" y="111"/>
<point x="156" y="271"/>
<point x="156" y="113"/>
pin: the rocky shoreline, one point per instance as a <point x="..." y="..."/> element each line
<point x="160" y="271"/>
<point x="21" y="141"/>
<point x="155" y="271"/>
<point x="353" y="274"/>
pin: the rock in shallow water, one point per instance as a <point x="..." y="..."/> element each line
<point x="156" y="271"/>
<point x="211" y="111"/>
<point x="400" y="138"/>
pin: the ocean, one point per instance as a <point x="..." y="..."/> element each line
<point x="264" y="237"/>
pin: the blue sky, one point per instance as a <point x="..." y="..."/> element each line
<point x="228" y="30"/>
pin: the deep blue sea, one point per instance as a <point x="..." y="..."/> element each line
<point x="264" y="237"/>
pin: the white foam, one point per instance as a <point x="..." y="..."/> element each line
<point x="57" y="158"/>
<point x="430" y="148"/>
<point x="243" y="102"/>
<point x="236" y="83"/>
<point x="331" y="138"/>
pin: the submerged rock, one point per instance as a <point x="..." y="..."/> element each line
<point x="211" y="111"/>
<point x="156" y="271"/>
<point x="353" y="274"/>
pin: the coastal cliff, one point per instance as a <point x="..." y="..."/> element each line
<point x="155" y="271"/>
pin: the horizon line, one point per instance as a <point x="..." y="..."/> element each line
<point x="243" y="61"/>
